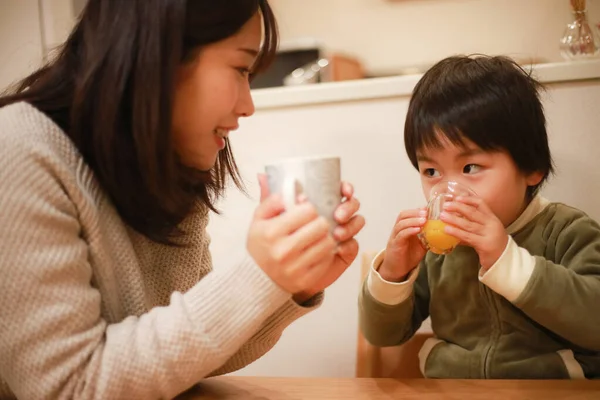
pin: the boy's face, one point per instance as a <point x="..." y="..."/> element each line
<point x="493" y="175"/>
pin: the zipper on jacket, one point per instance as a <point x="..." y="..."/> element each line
<point x="495" y="327"/>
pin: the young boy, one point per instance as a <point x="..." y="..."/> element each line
<point x="519" y="298"/>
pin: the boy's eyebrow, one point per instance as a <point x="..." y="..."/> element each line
<point x="421" y="157"/>
<point x="470" y="152"/>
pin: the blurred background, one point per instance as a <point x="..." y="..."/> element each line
<point x="340" y="86"/>
<point x="359" y="38"/>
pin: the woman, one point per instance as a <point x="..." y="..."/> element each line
<point x="111" y="157"/>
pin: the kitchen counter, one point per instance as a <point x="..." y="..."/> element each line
<point x="399" y="86"/>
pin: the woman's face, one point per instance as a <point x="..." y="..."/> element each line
<point x="212" y="92"/>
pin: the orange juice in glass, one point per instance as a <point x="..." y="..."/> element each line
<point x="432" y="235"/>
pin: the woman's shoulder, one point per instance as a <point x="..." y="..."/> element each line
<point x="27" y="135"/>
<point x="34" y="148"/>
<point x="24" y="128"/>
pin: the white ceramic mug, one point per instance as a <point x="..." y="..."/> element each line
<point x="318" y="178"/>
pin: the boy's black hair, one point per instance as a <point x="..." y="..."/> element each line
<point x="490" y="101"/>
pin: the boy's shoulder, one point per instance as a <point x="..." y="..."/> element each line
<point x="560" y="223"/>
<point x="559" y="216"/>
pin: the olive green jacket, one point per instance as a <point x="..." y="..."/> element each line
<point x="533" y="314"/>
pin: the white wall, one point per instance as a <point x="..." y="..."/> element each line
<point x="29" y="29"/>
<point x="58" y="17"/>
<point x="387" y="35"/>
<point x="20" y="40"/>
<point x="368" y="137"/>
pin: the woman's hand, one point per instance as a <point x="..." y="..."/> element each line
<point x="295" y="248"/>
<point x="349" y="225"/>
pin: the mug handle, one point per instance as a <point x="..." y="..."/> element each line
<point x="290" y="192"/>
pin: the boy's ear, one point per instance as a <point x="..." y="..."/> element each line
<point x="534" y="178"/>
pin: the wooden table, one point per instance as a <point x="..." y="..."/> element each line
<point x="263" y="388"/>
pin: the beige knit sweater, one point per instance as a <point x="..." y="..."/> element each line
<point x="89" y="308"/>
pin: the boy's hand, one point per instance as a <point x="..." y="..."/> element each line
<point x="476" y="226"/>
<point x="404" y="249"/>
